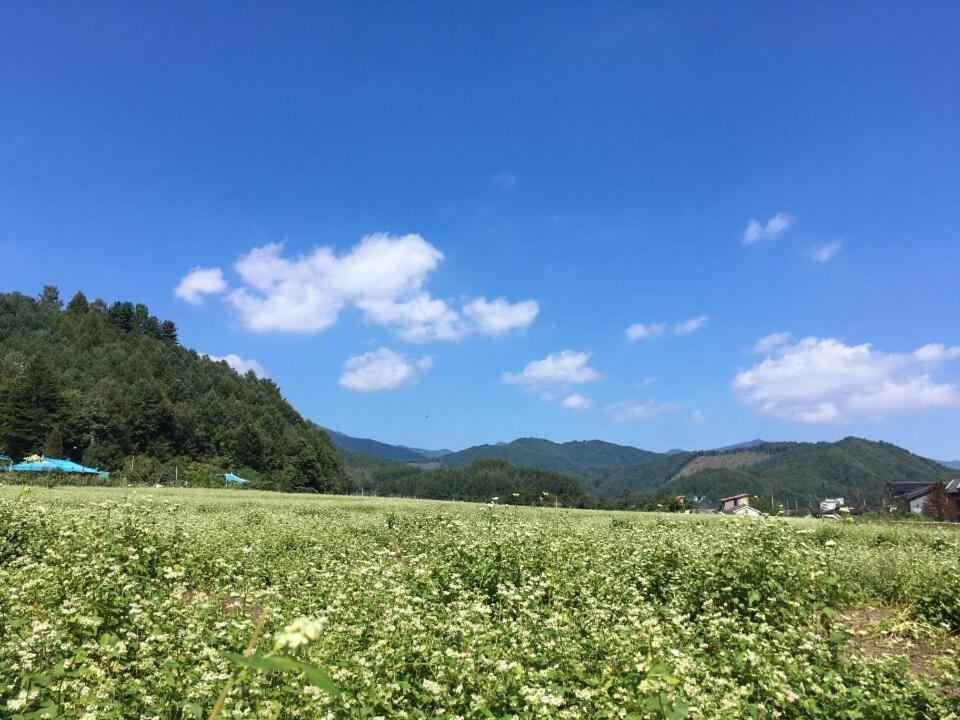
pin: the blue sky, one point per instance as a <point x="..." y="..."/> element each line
<point x="435" y="223"/>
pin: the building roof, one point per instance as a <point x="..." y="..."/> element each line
<point x="952" y="487"/>
<point x="899" y="490"/>
<point x="735" y="497"/>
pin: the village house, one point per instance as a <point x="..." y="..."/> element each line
<point x="913" y="496"/>
<point x="738" y="505"/>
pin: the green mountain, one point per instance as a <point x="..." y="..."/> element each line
<point x="378" y="449"/>
<point x="580" y="458"/>
<point x="800" y="472"/>
<point x="111" y="387"/>
<point x="854" y="468"/>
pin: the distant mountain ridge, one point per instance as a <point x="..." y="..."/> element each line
<point x="799" y="471"/>
<point x="576" y="457"/>
<point x="952" y="464"/>
<point x="804" y="471"/>
<point x="384" y="451"/>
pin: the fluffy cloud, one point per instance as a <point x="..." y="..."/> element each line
<point x="199" y="282"/>
<point x="826" y="252"/>
<point x="648" y="331"/>
<point x="418" y="319"/>
<point x="628" y="411"/>
<point x="772" y="229"/>
<point x="383" y="276"/>
<point x="826" y="381"/>
<point x="240" y="365"/>
<point x="577" y="402"/>
<point x="382" y="369"/>
<point x="771" y="341"/>
<point x="688" y="326"/>
<point x="497" y="317"/>
<point x="307" y="293"/>
<point x="697" y="417"/>
<point x="557" y="369"/>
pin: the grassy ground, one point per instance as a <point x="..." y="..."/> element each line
<point x="121" y="603"/>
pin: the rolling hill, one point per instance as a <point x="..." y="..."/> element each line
<point x="579" y="457"/>
<point x="384" y="451"/>
<point x="803" y="472"/>
<point x="111" y="386"/>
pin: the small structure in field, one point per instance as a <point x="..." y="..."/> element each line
<point x="234" y="479"/>
<point x="738" y="505"/>
<point x="831" y="505"/>
<point x="38" y="463"/>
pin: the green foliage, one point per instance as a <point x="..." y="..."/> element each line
<point x="582" y="456"/>
<point x="798" y="473"/>
<point x="110" y="386"/>
<point x="481" y="481"/>
<point x="173" y="603"/>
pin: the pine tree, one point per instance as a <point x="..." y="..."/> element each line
<point x="50" y="295"/>
<point x="32" y="406"/>
<point x="78" y="304"/>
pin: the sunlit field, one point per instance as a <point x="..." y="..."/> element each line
<point x="129" y="603"/>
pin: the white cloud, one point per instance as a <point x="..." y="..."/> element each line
<point x="772" y="229"/>
<point x="382" y="369"/>
<point x="825" y="252"/>
<point x="771" y="341"/>
<point x="826" y="381"/>
<point x="646" y="382"/>
<point x="418" y="319"/>
<point x="199" y="282"/>
<point x="498" y="317"/>
<point x="557" y="369"/>
<point x="506" y="181"/>
<point x="688" y="326"/>
<point x="577" y="402"/>
<point x="935" y="352"/>
<point x="628" y="411"/>
<point x="648" y="331"/>
<point x="240" y="365"/>
<point x="307" y="293"/>
<point x="697" y="417"/>
<point x="383" y="276"/>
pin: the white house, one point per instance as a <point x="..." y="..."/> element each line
<point x="829" y="505"/>
<point x="745" y="511"/>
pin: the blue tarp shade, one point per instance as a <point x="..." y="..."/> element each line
<point x="231" y="478"/>
<point x="54" y="465"/>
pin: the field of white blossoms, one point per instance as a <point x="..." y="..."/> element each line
<point x="197" y="604"/>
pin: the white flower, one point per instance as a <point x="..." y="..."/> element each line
<point x="299" y="633"/>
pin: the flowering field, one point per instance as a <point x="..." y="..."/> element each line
<point x="191" y="604"/>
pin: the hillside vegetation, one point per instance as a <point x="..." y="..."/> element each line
<point x="577" y="458"/>
<point x="111" y="387"/>
<point x="797" y="472"/>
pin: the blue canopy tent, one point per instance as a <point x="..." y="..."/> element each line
<point x="231" y="478"/>
<point x="55" y="465"/>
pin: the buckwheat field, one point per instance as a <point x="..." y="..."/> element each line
<point x="196" y="604"/>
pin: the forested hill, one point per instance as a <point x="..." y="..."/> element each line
<point x="806" y="472"/>
<point x="110" y="386"/>
<point x="581" y="457"/>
